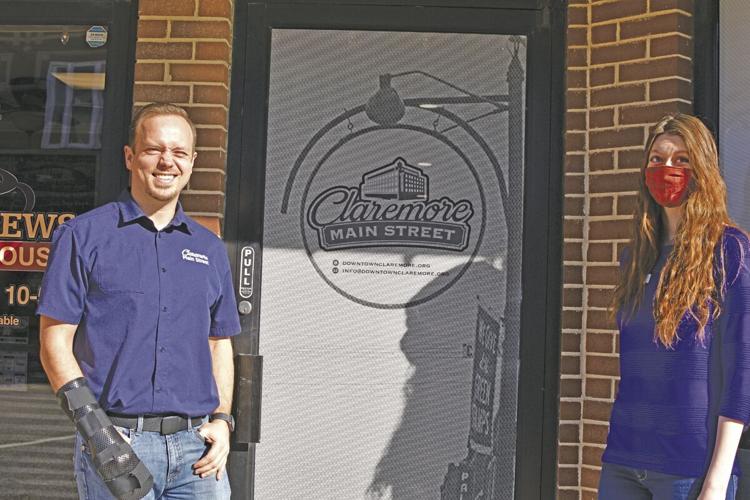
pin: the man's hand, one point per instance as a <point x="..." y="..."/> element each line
<point x="216" y="434"/>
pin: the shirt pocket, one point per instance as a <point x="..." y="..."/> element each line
<point x="121" y="271"/>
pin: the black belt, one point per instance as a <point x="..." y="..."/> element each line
<point x="168" y="424"/>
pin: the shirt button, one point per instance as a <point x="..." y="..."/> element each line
<point x="164" y="308"/>
<point x="164" y="269"/>
<point x="158" y="389"/>
<point x="162" y="349"/>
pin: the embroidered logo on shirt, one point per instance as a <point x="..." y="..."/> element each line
<point x="191" y="256"/>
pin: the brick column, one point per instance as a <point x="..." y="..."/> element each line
<point x="571" y="382"/>
<point x="183" y="55"/>
<point x="629" y="63"/>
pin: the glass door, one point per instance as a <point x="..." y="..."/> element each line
<point x="384" y="187"/>
<point x="53" y="83"/>
<point x="387" y="201"/>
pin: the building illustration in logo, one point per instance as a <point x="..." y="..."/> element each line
<point x="351" y="217"/>
<point x="397" y="180"/>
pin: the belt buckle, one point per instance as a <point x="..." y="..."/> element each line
<point x="172" y="424"/>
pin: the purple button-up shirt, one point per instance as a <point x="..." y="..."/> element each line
<point x="668" y="402"/>
<point x="145" y="302"/>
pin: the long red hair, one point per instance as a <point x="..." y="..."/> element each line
<point x="687" y="282"/>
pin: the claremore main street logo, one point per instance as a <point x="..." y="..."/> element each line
<point x="391" y="207"/>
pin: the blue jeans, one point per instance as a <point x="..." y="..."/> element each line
<point x="170" y="460"/>
<point x="618" y="482"/>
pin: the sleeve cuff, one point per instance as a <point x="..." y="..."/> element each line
<point x="58" y="315"/>
<point x="737" y="410"/>
<point x="224" y="331"/>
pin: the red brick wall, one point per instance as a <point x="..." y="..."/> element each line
<point x="183" y="55"/>
<point x="629" y="62"/>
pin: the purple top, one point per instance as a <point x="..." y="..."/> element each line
<point x="665" y="414"/>
<point x="145" y="302"/>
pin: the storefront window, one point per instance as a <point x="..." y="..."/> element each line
<point x="734" y="106"/>
<point x="52" y="81"/>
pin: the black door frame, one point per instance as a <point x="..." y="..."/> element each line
<point x="706" y="64"/>
<point x="121" y="16"/>
<point x="543" y="22"/>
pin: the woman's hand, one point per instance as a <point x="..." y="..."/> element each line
<point x="728" y="435"/>
<point x="709" y="492"/>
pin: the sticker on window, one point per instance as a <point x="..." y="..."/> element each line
<point x="96" y="36"/>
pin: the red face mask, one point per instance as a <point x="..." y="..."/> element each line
<point x="668" y="185"/>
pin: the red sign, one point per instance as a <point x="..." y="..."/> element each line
<point x="23" y="256"/>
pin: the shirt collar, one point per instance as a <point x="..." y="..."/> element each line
<point x="130" y="212"/>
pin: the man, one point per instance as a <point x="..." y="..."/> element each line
<point x="136" y="313"/>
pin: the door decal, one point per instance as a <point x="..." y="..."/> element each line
<point x="391" y="265"/>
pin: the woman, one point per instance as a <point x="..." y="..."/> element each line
<point x="683" y="311"/>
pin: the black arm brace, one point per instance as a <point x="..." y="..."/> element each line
<point x="126" y="477"/>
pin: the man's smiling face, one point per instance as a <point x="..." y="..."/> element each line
<point x="161" y="158"/>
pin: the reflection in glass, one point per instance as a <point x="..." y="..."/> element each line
<point x="73" y="110"/>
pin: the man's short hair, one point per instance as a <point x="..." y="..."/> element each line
<point x="159" y="109"/>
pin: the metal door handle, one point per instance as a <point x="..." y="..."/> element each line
<point x="249" y="391"/>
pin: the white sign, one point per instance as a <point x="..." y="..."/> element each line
<point x="96" y="36"/>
